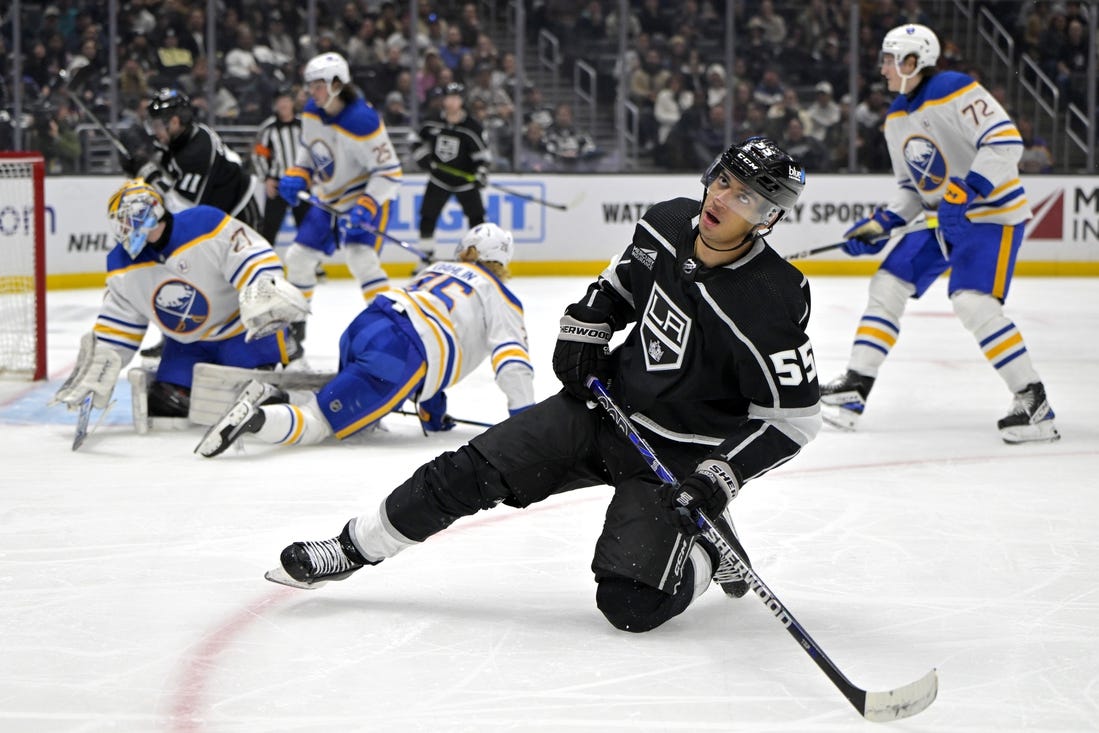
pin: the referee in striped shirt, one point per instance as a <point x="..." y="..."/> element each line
<point x="277" y="142"/>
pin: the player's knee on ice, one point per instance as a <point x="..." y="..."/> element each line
<point x="630" y="605"/>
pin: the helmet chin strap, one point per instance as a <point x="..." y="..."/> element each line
<point x="749" y="238"/>
<point x="903" y="76"/>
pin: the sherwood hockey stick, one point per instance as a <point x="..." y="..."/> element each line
<point x="314" y="201"/>
<point x="509" y="191"/>
<point x="455" y="419"/>
<point x="931" y="222"/>
<point x="878" y="707"/>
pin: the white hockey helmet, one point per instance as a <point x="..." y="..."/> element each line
<point x="493" y="243"/>
<point x="912" y="40"/>
<point x="327" y="67"/>
<point x="134" y="210"/>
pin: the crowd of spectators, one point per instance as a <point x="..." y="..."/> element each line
<point x="789" y="81"/>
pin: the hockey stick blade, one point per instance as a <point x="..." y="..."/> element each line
<point x="278" y="575"/>
<point x="901" y="702"/>
<point x="82" y="421"/>
<point x="458" y="420"/>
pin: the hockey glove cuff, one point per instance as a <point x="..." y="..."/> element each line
<point x="582" y="349"/>
<point x="952" y="219"/>
<point x="708" y="490"/>
<point x="480" y="178"/>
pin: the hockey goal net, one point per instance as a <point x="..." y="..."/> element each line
<point x="22" y="266"/>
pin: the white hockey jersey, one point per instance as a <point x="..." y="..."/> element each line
<point x="189" y="287"/>
<point x="348" y="155"/>
<point x="464" y="314"/>
<point x="953" y="127"/>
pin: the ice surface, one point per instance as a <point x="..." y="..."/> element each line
<point x="133" y="599"/>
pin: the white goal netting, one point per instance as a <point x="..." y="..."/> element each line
<point x="22" y="286"/>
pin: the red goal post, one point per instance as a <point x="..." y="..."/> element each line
<point x="22" y="265"/>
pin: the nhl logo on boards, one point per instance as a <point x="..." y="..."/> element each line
<point x="665" y="329"/>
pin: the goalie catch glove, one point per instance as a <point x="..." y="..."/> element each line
<point x="96" y="371"/>
<point x="708" y="490"/>
<point x="582" y="349"/>
<point x="269" y="304"/>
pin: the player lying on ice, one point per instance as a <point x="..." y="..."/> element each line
<point x="716" y="371"/>
<point x="408" y="344"/>
<point x="209" y="282"/>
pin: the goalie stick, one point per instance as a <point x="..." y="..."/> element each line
<point x="877" y="707"/>
<point x="314" y="201"/>
<point x="84" y="417"/>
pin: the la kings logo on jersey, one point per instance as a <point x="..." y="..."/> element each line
<point x="447" y="147"/>
<point x="665" y="330"/>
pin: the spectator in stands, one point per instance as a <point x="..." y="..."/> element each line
<point x="771" y="23"/>
<point x="671" y="102"/>
<point x="277" y="39"/>
<point x="807" y="150"/>
<point x="470" y="24"/>
<point x="829" y="65"/>
<point x="633" y="25"/>
<point x="653" y="18"/>
<point x="428" y="75"/>
<point x="778" y="115"/>
<point x="452" y="51"/>
<point x="709" y="140"/>
<point x="224" y="107"/>
<point x="386" y="73"/>
<point x="395" y="113"/>
<point x="173" y="60"/>
<point x="498" y="105"/>
<point x="53" y="133"/>
<point x="815" y="22"/>
<point x="911" y="12"/>
<point x="869" y="118"/>
<point x="824" y="114"/>
<point x="770" y="90"/>
<point x="645" y="82"/>
<point x="755" y="122"/>
<point x="572" y="148"/>
<point x="1037" y="157"/>
<point x="349" y="22"/>
<point x="591" y="24"/>
<point x="193" y="35"/>
<point x="366" y="47"/>
<point x="133" y="83"/>
<point x="485" y="51"/>
<point x="535" y="107"/>
<point x="714" y="91"/>
<point x="1072" y="64"/>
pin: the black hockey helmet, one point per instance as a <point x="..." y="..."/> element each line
<point x="167" y="103"/>
<point x="454" y="87"/>
<point x="766" y="169"/>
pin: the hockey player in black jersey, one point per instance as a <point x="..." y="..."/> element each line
<point x="191" y="165"/>
<point x="453" y="150"/>
<point x="716" y="372"/>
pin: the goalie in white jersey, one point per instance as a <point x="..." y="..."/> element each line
<point x="408" y="344"/>
<point x="210" y="282"/>
<point x="955" y="154"/>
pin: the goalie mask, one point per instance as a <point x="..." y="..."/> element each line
<point x="493" y="244"/>
<point x="134" y="210"/>
<point x="774" y="180"/>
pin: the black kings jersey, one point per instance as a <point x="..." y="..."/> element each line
<point x="716" y="357"/>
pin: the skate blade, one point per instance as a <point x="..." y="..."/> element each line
<point x="1042" y="432"/>
<point x="840" y="418"/>
<point x="278" y="575"/>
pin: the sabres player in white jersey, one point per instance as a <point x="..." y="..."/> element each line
<point x="348" y="162"/>
<point x="210" y="282"/>
<point x="408" y="344"/>
<point x="955" y="155"/>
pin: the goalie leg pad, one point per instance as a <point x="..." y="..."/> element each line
<point x="215" y="388"/>
<point x="139" y="379"/>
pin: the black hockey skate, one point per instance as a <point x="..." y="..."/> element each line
<point x="1030" y="418"/>
<point x="726" y="575"/>
<point x="243" y="417"/>
<point x="844" y="398"/>
<point x="312" y="564"/>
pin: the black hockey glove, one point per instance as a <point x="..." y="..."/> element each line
<point x="708" y="490"/>
<point x="582" y="349"/>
